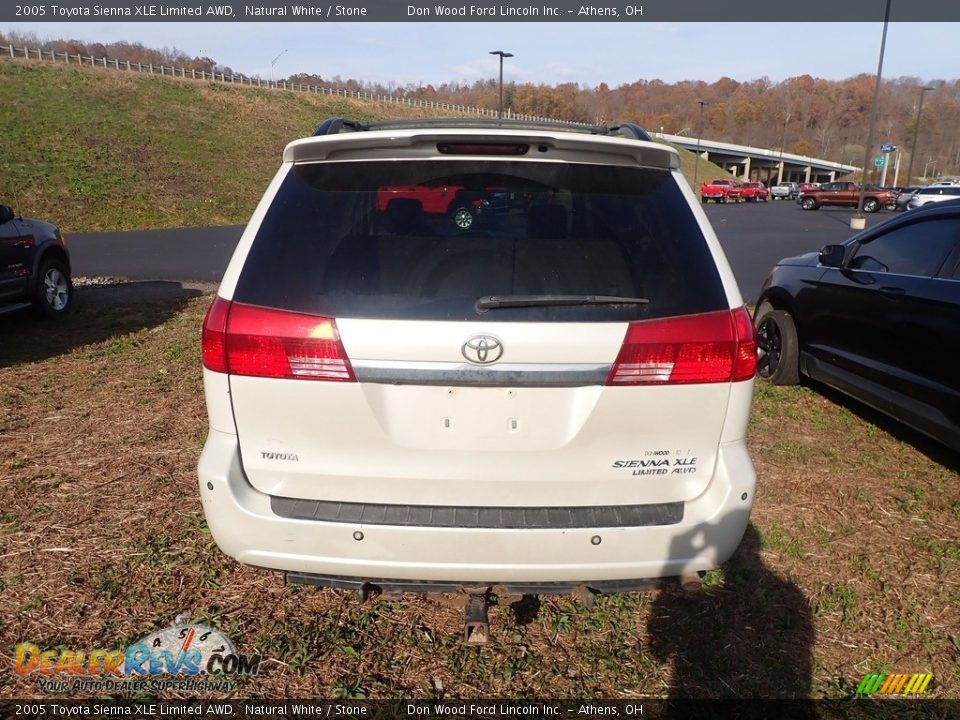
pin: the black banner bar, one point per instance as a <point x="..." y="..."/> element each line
<point x="481" y="11"/>
<point x="640" y="709"/>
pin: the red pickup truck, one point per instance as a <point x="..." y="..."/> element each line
<point x="461" y="205"/>
<point x="723" y="190"/>
<point x="845" y="194"/>
<point x="754" y="192"/>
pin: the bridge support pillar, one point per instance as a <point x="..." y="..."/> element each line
<point x="809" y="170"/>
<point x="780" y="172"/>
<point x="746" y="169"/>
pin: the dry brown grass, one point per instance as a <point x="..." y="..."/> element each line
<point x="849" y="565"/>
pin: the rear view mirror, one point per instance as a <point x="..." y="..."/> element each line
<point x="832" y="256"/>
<point x="6" y="214"/>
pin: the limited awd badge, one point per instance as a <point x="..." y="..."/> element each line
<point x="482" y="349"/>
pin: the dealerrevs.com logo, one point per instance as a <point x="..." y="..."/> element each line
<point x="181" y="657"/>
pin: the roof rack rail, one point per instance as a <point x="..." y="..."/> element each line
<point x="334" y="125"/>
<point x="630" y="130"/>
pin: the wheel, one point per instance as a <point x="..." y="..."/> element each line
<point x="723" y="200"/>
<point x="778" y="349"/>
<point x="808" y="204"/>
<point x="703" y="200"/>
<point x="871" y="205"/>
<point x="463" y="217"/>
<point x="53" y="294"/>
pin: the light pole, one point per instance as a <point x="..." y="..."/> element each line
<point x="916" y="133"/>
<point x="274" y="62"/>
<point x="696" y="160"/>
<point x="859" y="221"/>
<point x="502" y="55"/>
<point x="783" y="141"/>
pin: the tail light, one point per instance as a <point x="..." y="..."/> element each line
<point x="213" y="343"/>
<point x="709" y="348"/>
<point x="260" y="342"/>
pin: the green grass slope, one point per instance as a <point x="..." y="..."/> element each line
<point x="95" y="149"/>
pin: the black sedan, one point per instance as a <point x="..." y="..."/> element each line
<point x="877" y="318"/>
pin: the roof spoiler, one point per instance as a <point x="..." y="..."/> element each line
<point x="335" y="125"/>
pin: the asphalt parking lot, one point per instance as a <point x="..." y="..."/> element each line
<point x="754" y="237"/>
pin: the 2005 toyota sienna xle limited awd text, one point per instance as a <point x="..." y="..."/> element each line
<point x="550" y="397"/>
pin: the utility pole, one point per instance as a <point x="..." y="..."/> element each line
<point x="916" y="135"/>
<point x="783" y="141"/>
<point x="859" y="220"/>
<point x="696" y="162"/>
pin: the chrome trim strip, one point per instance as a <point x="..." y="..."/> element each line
<point x="500" y="375"/>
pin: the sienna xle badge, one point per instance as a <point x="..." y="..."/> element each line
<point x="550" y="397"/>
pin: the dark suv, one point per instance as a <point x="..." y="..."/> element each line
<point x="34" y="266"/>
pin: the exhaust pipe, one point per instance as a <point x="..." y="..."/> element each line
<point x="691" y="582"/>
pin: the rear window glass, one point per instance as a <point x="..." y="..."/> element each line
<point x="427" y="239"/>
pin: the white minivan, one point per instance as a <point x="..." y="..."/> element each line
<point x="548" y="395"/>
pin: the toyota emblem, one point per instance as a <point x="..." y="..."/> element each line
<point x="482" y="349"/>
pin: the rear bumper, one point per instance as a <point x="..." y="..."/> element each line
<point x="245" y="527"/>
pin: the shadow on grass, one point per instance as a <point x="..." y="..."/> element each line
<point x="935" y="451"/>
<point x="99" y="314"/>
<point x="751" y="636"/>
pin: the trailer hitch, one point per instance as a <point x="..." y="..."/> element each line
<point x="476" y="628"/>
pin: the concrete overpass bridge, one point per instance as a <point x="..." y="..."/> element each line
<point x="770" y="166"/>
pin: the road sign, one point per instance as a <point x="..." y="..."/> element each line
<point x="879" y="161"/>
<point x="887" y="148"/>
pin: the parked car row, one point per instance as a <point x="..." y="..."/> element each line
<point x="726" y="190"/>
<point x="910" y="198"/>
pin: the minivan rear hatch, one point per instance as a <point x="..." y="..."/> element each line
<point x="482" y="331"/>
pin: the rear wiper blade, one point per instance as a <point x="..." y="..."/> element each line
<point x="491" y="302"/>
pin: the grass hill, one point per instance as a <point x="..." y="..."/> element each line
<point x="95" y="149"/>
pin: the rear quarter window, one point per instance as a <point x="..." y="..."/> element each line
<point x="426" y="239"/>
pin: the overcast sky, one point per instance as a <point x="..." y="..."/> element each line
<point x="587" y="53"/>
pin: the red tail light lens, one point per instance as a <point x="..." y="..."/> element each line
<point x="745" y="360"/>
<point x="260" y="342"/>
<point x="708" y="348"/>
<point x="214" y="340"/>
